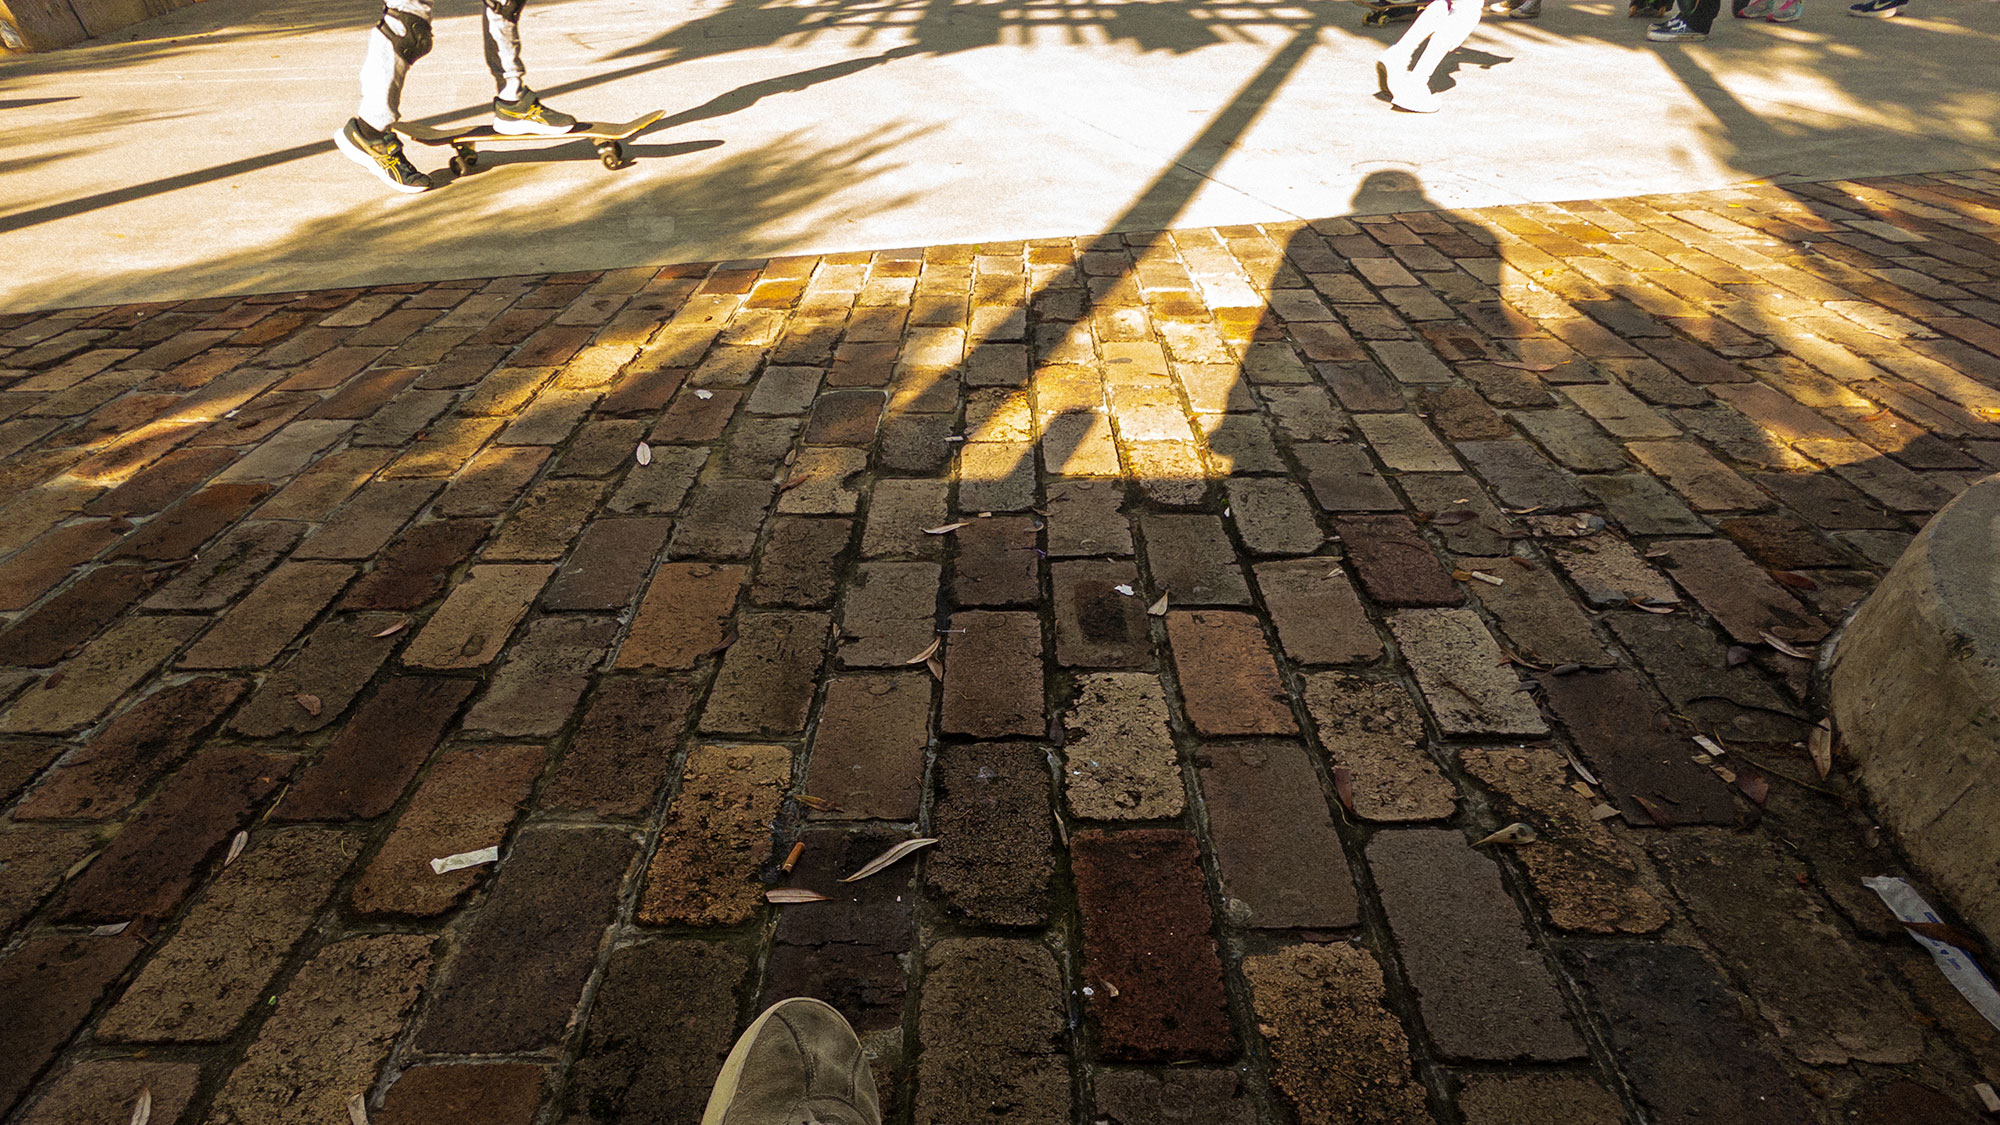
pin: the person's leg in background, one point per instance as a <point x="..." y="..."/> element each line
<point x="398" y="40"/>
<point x="516" y="109"/>
<point x="1688" y="24"/>
<point x="1407" y="67"/>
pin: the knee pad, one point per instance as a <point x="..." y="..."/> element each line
<point x="409" y="35"/>
<point x="509" y="10"/>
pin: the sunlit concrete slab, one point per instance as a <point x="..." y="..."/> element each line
<point x="191" y="155"/>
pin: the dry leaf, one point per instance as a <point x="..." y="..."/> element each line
<point x="1785" y="647"/>
<point x="1987" y="1097"/>
<point x="1753" y="786"/>
<point x="1637" y="603"/>
<point x="1524" y="564"/>
<point x="1123" y="589"/>
<point x="1522" y="511"/>
<point x="1821" y="744"/>
<point x="794" y="483"/>
<point x="309" y="702"/>
<point x="111" y="930"/>
<point x="1343" y="786"/>
<point x="935" y="667"/>
<point x="236" y="846"/>
<point x="1604" y="812"/>
<point x="1582" y="790"/>
<point x="1737" y="656"/>
<point x="1537" y="368"/>
<point x="76" y="868"/>
<point x="946" y="529"/>
<point x="1653" y="810"/>
<point x="704" y="395"/>
<point x="892" y="855"/>
<point x="1794" y="579"/>
<point x="465" y="859"/>
<point x="1515" y="833"/>
<point x="936" y="643"/>
<point x="1878" y="415"/>
<point x="1111" y="990"/>
<point x="1710" y="745"/>
<point x="1158" y="608"/>
<point x="357" y="1109"/>
<point x="142" y="1110"/>
<point x="786" y="895"/>
<point x="393" y="629"/>
<point x="722" y="645"/>
<point x="817" y="804"/>
<point x="1727" y="775"/>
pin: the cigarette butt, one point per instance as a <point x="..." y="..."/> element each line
<point x="792" y="860"/>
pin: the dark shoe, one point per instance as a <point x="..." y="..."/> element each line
<point x="1516" y="9"/>
<point x="798" y="1064"/>
<point x="382" y="154"/>
<point x="1877" y="9"/>
<point x="528" y="117"/>
<point x="1675" y="30"/>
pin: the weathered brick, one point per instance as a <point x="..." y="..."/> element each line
<point x="765" y="684"/>
<point x="992" y="1024"/>
<point x="263" y="623"/>
<point x="845" y="418"/>
<point x="1609" y="572"/>
<point x="1338" y="1055"/>
<point x="622" y="755"/>
<point x="73" y="616"/>
<point x="1536" y="613"/>
<point x="149" y="866"/>
<point x="1548" y="1099"/>
<point x="1521" y="477"/>
<point x="716" y="836"/>
<point x="1573" y="440"/>
<point x="868" y="748"/>
<point x="233" y="941"/>
<point x="850" y="951"/>
<point x="500" y="1094"/>
<point x="1096" y="626"/>
<point x="114" y="768"/>
<point x="366" y="767"/>
<point x="181" y="530"/>
<point x="1691" y="666"/>
<point x="99" y="675"/>
<point x="338" y="660"/>
<point x="467" y="802"/>
<point x="1273" y="516"/>
<point x="1316" y="613"/>
<point x="1702" y="480"/>
<point x="527" y="953"/>
<point x="889" y="615"/>
<point x="1463" y="674"/>
<point x="1229" y="683"/>
<point x="1084" y="519"/>
<point x="489" y="483"/>
<point x="1480" y="982"/>
<point x="658" y="1034"/>
<point x="329" y="1033"/>
<point x="1372" y="730"/>
<point x="546" y="522"/>
<point x="51" y="985"/>
<point x="1783" y="542"/>
<point x="282" y="455"/>
<point x="37" y="568"/>
<point x="995" y="856"/>
<point x="799" y="565"/>
<point x="1679" y="1037"/>
<point x="1642" y="505"/>
<point x="1146" y="931"/>
<point x="417" y="566"/>
<point x="1343" y="479"/>
<point x="1135" y="1097"/>
<point x="694" y="418"/>
<point x="1397" y="567"/>
<point x="1281" y="861"/>
<point x="658" y="489"/>
<point x="1120" y="761"/>
<point x="993" y="675"/>
<point x="1192" y="561"/>
<point x="722" y="520"/>
<point x="1738" y="593"/>
<point x="997" y="563"/>
<point x="161" y="483"/>
<point x="683" y="616"/>
<point x="1621" y="731"/>
<point x="468" y="630"/>
<point x="543" y="676"/>
<point x="108" y="1090"/>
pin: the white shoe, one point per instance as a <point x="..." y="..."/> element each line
<point x="1413" y="95"/>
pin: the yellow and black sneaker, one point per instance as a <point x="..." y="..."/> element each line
<point x="528" y="117"/>
<point x="381" y="152"/>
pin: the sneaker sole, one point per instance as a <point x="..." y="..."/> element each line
<point x="1880" y="14"/>
<point x="367" y="160"/>
<point x="724" y="1093"/>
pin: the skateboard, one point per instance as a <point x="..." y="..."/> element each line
<point x="465" y="140"/>
<point x="1384" y="12"/>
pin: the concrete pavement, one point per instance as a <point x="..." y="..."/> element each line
<point x="189" y="156"/>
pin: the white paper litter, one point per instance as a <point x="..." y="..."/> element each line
<point x="1904" y="901"/>
<point x="466" y="859"/>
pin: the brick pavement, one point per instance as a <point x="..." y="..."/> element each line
<point x="1207" y="593"/>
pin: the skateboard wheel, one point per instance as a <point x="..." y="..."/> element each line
<point x="462" y="165"/>
<point x="612" y="154"/>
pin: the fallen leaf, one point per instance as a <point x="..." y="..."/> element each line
<point x="1753" y="786"/>
<point x="76" y="868"/>
<point x="1343" y="787"/>
<point x="357" y="1109"/>
<point x="1522" y="511"/>
<point x="393" y="629"/>
<point x="794" y="483"/>
<point x="1794" y="579"/>
<point x="1111" y="990"/>
<point x="1565" y="669"/>
<point x="1158" y="608"/>
<point x="1878" y="415"/>
<point x="1524" y="564"/>
<point x="704" y="395"/>
<point x="1638" y="603"/>
<point x="236" y="845"/>
<point x="452" y="863"/>
<point x="1057" y="733"/>
<point x="1659" y="815"/>
<point x="1123" y="589"/>
<point x="1820" y="741"/>
<point x="310" y="703"/>
<point x="643" y="454"/>
<point x="936" y="643"/>
<point x="722" y="645"/>
<point x="55" y="679"/>
<point x="817" y="804"/>
<point x="945" y="529"/>
<point x="1538" y="368"/>
<point x="1578" y="766"/>
<point x="1515" y="833"/>
<point x="112" y="930"/>
<point x="935" y="667"/>
<point x="1710" y="745"/>
<point x="785" y="895"/>
<point x="1949" y="934"/>
<point x="1582" y="790"/>
<point x="892" y="855"/>
<point x="142" y="1110"/>
<point x="1785" y="647"/>
<point x="1737" y="656"/>
<point x="1727" y="775"/>
<point x="1603" y="812"/>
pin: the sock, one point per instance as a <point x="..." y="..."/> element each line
<point x="513" y="91"/>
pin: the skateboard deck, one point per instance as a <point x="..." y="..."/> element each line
<point x="466" y="139"/>
<point x="1397" y="11"/>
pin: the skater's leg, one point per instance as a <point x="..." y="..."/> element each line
<point x="1439" y="30"/>
<point x="1460" y="17"/>
<point x="1402" y="53"/>
<point x="503" y="47"/>
<point x="400" y="38"/>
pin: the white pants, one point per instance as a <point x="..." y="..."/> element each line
<point x="383" y="69"/>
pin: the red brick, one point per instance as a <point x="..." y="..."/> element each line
<point x="1095" y="625"/>
<point x="366" y="767"/>
<point x="494" y="1094"/>
<point x="338" y="660"/>
<point x="642" y="390"/>
<point x="416" y="567"/>
<point x="181" y="530"/>
<point x="51" y="984"/>
<point x="765" y="684"/>
<point x="996" y="851"/>
<point x="1397" y="567"/>
<point x="691" y="418"/>
<point x="722" y="519"/>
<point x="489" y="485"/>
<point x="683" y="617"/>
<point x="260" y="626"/>
<point x="1149" y="953"/>
<point x="546" y="670"/>
<point x="73" y="616"/>
<point x="611" y="560"/>
<point x="1621" y="730"/>
<point x="99" y="675"/>
<point x="467" y="802"/>
<point x="108" y="1089"/>
<point x="622" y="754"/>
<point x="997" y="563"/>
<point x="1738" y="593"/>
<point x="477" y="617"/>
<point x="715" y="837"/>
<point x="328" y="369"/>
<point x="152" y="864"/>
<point x="523" y="961"/>
<point x="161" y="483"/>
<point x="1229" y="683"/>
<point x="799" y="565"/>
<point x="993" y="676"/>
<point x="868" y="749"/>
<point x="368" y="521"/>
<point x="849" y="954"/>
<point x="36" y="568"/>
<point x="1316" y="613"/>
<point x="111" y="771"/>
<point x="363" y="394"/>
<point x="659" y="1030"/>
<point x="1281" y="860"/>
